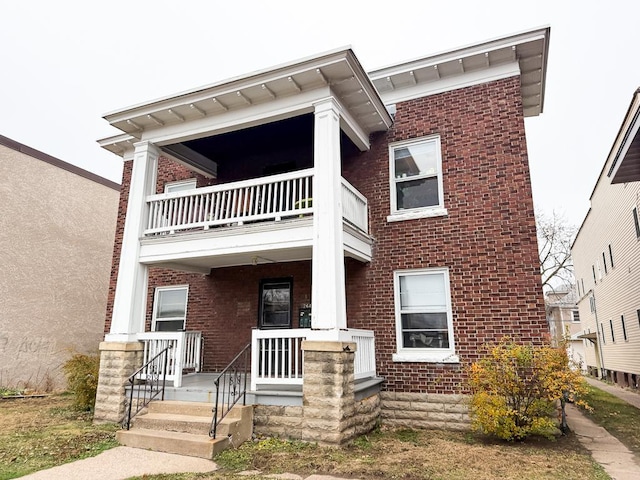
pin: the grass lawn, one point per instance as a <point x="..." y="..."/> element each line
<point x="39" y="433"/>
<point x="617" y="416"/>
<point x="411" y="454"/>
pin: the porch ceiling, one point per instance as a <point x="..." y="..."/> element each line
<point x="338" y="70"/>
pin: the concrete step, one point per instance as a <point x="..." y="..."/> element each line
<point x="173" y="422"/>
<point x="173" y="442"/>
<point x="187" y="433"/>
<point x="202" y="409"/>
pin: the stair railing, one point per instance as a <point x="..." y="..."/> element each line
<point x="231" y="386"/>
<point x="149" y="382"/>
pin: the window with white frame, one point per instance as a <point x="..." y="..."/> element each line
<point x="415" y="172"/>
<point x="170" y="308"/>
<point x="180" y="185"/>
<point x="424" y="328"/>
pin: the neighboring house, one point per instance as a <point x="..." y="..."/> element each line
<point x="314" y="210"/>
<point x="564" y="322"/>
<point x="56" y="237"/>
<point x="606" y="256"/>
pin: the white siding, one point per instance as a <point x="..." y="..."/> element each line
<point x="617" y="293"/>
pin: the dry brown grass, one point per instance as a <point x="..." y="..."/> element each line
<point x="414" y="455"/>
<point x="39" y="433"/>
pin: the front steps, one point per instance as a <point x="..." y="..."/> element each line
<point x="183" y="428"/>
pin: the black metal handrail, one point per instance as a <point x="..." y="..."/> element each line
<point x="149" y="382"/>
<point x="231" y="385"/>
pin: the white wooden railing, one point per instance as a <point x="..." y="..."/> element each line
<point x="186" y="351"/>
<point x="354" y="207"/>
<point x="277" y="357"/>
<point x="365" y="359"/>
<point x="267" y="198"/>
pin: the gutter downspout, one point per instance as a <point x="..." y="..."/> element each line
<point x="599" y="333"/>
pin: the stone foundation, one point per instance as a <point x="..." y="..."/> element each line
<point x="117" y="362"/>
<point x="425" y="410"/>
<point x="329" y="414"/>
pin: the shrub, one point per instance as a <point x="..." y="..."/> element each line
<point x="516" y="387"/>
<point x="82" y="378"/>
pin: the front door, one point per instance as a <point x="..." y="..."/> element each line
<point x="275" y="303"/>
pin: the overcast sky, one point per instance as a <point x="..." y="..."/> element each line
<point x="66" y="63"/>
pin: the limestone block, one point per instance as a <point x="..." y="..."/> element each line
<point x="445" y="397"/>
<point x="444" y="417"/>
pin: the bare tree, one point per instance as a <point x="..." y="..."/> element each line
<point x="554" y="246"/>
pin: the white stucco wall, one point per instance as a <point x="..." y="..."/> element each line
<point x="56" y="240"/>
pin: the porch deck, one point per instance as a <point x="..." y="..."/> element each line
<point x="199" y="387"/>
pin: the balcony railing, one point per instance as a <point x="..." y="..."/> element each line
<point x="277" y="357"/>
<point x="185" y="352"/>
<point x="267" y="198"/>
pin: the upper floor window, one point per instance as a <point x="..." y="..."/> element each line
<point x="180" y="185"/>
<point x="415" y="173"/>
<point x="636" y="221"/>
<point x="424" y="327"/>
<point x="575" y="315"/>
<point x="611" y="255"/>
<point x="170" y="309"/>
<point x="604" y="262"/>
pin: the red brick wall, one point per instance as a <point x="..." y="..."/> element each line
<point x="487" y="240"/>
<point x="222" y="305"/>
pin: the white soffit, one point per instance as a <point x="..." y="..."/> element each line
<point x="523" y="53"/>
<point x="624" y="157"/>
<point x="339" y="70"/>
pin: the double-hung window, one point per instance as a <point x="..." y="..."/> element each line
<point x="415" y="172"/>
<point x="180" y="185"/>
<point x="170" y="309"/>
<point x="424" y="329"/>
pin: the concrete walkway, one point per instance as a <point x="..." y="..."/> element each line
<point x="120" y="463"/>
<point x="617" y="460"/>
<point x="629" y="396"/>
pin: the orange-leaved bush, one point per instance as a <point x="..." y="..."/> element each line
<point x="515" y="389"/>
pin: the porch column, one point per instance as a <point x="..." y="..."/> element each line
<point x="328" y="306"/>
<point x="130" y="302"/>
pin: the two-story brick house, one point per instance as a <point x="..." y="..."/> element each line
<point x="366" y="233"/>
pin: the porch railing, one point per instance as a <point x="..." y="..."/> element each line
<point x="365" y="358"/>
<point x="277" y="357"/>
<point x="146" y="384"/>
<point x="231" y="386"/>
<point x="267" y="198"/>
<point x="354" y="207"/>
<point x="185" y="353"/>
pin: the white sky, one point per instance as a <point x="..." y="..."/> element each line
<point x="66" y="63"/>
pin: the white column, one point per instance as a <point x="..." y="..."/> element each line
<point x="130" y="302"/>
<point x="328" y="305"/>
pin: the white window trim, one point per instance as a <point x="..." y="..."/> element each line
<point x="155" y="302"/>
<point x="189" y="183"/>
<point x="432" y="355"/>
<point x="420" y="212"/>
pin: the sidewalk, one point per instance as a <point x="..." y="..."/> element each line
<point x="628" y="396"/>
<point x="608" y="451"/>
<point x="121" y="463"/>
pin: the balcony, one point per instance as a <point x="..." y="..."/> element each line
<point x="268" y="218"/>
